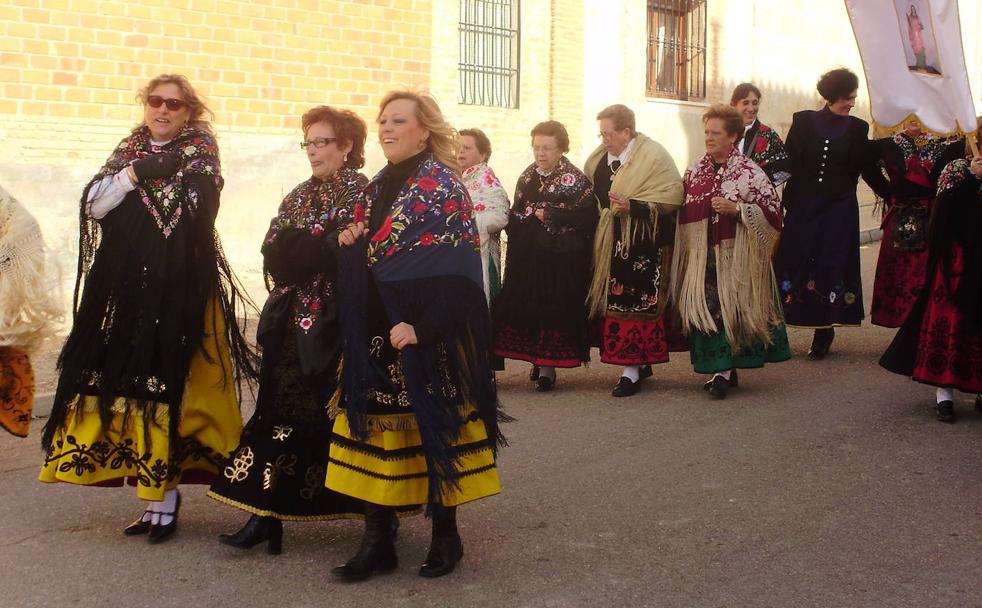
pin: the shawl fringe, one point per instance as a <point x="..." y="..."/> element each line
<point x="29" y="284"/>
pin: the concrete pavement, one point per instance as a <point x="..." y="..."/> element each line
<point x="814" y="484"/>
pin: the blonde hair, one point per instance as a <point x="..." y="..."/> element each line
<point x="199" y="116"/>
<point x="442" y="142"/>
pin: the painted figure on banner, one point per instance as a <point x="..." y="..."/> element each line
<point x="921" y="50"/>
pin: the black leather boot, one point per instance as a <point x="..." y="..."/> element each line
<point x="821" y="343"/>
<point x="445" y="546"/>
<point x="377" y="552"/>
<point x="257" y="530"/>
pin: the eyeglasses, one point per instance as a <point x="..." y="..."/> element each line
<point x="605" y="135"/>
<point x="155" y="101"/>
<point x="318" y="142"/>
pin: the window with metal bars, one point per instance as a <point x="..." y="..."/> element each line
<point x="489" y="53"/>
<point x="677" y="49"/>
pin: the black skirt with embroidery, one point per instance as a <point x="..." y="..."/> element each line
<point x="280" y="466"/>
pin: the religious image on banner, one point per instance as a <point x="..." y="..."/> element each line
<point x="917" y="34"/>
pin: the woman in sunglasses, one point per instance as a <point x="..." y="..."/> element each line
<point x="277" y="473"/>
<point x="147" y="385"/>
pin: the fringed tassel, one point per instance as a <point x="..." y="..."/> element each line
<point x="689" y="277"/>
<point x="603" y="243"/>
<point x="29" y="281"/>
<point x="747" y="286"/>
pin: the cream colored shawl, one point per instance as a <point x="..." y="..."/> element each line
<point x="29" y="304"/>
<point x="649" y="176"/>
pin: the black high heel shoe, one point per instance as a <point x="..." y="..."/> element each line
<point x="140" y="526"/>
<point x="257" y="530"/>
<point x="161" y="532"/>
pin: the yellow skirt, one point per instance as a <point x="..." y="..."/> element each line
<point x="87" y="453"/>
<point x="16" y="390"/>
<point x="390" y="469"/>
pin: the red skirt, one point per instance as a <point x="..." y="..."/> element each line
<point x="943" y="348"/>
<point x="900" y="277"/>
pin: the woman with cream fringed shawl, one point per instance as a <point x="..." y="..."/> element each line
<point x="723" y="281"/>
<point x="28" y="310"/>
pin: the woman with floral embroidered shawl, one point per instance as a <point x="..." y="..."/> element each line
<point x="913" y="160"/>
<point x="277" y="473"/>
<point x="759" y="142"/>
<point x="940" y="342"/>
<point x="724" y="285"/>
<point x="28" y="310"/>
<point x="490" y="203"/>
<point x="417" y="423"/>
<point x="147" y="384"/>
<point x="540" y="316"/>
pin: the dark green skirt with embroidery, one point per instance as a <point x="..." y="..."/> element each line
<point x="712" y="353"/>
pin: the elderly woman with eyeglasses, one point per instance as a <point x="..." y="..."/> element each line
<point x="540" y="316"/>
<point x="278" y="471"/>
<point x="147" y="386"/>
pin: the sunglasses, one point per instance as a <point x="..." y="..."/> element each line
<point x="318" y="142"/>
<point x="155" y="101"/>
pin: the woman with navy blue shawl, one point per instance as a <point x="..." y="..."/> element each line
<point x="416" y="421"/>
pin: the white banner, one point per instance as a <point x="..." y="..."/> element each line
<point x="914" y="62"/>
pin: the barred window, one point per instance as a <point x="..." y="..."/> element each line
<point x="489" y="53"/>
<point x="677" y="49"/>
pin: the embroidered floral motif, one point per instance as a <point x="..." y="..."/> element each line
<point x="197" y="154"/>
<point x="318" y="206"/>
<point x="71" y="456"/>
<point x="239" y="469"/>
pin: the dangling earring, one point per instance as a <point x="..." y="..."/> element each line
<point x="345" y="158"/>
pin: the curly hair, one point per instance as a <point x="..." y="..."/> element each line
<point x="442" y="142"/>
<point x="837" y="84"/>
<point x="732" y="122"/>
<point x="348" y="128"/>
<point x="200" y="115"/>
<point x="554" y="129"/>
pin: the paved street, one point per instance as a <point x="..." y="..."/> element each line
<point x="814" y="484"/>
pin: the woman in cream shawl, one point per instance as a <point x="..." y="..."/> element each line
<point x="638" y="190"/>
<point x="723" y="280"/>
<point x="28" y="309"/>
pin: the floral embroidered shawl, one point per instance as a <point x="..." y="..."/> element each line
<point x="743" y="249"/>
<point x="767" y="150"/>
<point x="151" y="269"/>
<point x="425" y="257"/>
<point x="320" y="207"/>
<point x="491" y="205"/>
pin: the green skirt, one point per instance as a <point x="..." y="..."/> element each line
<point x="712" y="353"/>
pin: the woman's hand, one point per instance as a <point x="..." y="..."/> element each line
<point x="723" y="206"/>
<point x="402" y="335"/>
<point x="976" y="166"/>
<point x="620" y="204"/>
<point x="351" y="234"/>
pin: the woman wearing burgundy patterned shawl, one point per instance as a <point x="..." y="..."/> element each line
<point x="277" y="473"/>
<point x="540" y="316"/>
<point x="914" y="160"/>
<point x="417" y="423"/>
<point x="147" y="385"/>
<point x="724" y="285"/>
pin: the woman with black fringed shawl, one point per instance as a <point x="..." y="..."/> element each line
<point x="277" y="472"/>
<point x="148" y="374"/>
<point x="418" y="423"/>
